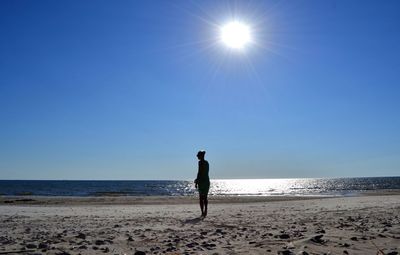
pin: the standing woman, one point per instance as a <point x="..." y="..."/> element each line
<point x="202" y="182"/>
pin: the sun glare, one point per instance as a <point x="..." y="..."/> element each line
<point x="235" y="35"/>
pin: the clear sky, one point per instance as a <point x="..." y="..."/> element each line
<point x="132" y="89"/>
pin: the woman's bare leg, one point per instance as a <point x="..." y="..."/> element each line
<point x="202" y="205"/>
<point x="205" y="205"/>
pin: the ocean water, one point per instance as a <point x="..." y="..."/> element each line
<point x="235" y="187"/>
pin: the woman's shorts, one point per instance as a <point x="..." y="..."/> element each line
<point x="204" y="188"/>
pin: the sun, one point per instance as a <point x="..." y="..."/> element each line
<point x="235" y="35"/>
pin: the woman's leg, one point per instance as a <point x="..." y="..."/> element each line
<point x="202" y="204"/>
<point x="205" y="205"/>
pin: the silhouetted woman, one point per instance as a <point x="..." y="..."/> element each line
<point x="202" y="182"/>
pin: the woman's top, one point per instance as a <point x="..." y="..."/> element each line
<point x="202" y="174"/>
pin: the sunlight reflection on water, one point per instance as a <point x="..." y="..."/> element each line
<point x="306" y="186"/>
<point x="236" y="187"/>
<point x="259" y="187"/>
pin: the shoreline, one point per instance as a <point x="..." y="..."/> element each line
<point x="176" y="200"/>
<point x="143" y="200"/>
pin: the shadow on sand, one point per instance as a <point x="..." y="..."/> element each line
<point x="193" y="221"/>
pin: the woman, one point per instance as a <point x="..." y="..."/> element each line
<point x="202" y="182"/>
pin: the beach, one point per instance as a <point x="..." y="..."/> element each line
<point x="362" y="224"/>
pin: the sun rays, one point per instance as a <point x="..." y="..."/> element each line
<point x="226" y="32"/>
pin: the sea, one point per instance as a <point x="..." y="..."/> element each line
<point x="232" y="187"/>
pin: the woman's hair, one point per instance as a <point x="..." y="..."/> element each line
<point x="201" y="153"/>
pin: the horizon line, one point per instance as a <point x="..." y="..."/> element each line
<point x="216" y="179"/>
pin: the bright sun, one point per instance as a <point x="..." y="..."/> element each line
<point x="235" y="35"/>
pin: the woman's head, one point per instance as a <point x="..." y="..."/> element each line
<point x="201" y="154"/>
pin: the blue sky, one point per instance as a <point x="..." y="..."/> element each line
<point x="132" y="89"/>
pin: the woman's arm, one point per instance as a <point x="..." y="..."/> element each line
<point x="198" y="176"/>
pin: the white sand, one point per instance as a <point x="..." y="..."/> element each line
<point x="350" y="225"/>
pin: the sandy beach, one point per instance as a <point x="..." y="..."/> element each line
<point x="367" y="224"/>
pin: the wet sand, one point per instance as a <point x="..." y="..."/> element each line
<point x="367" y="224"/>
